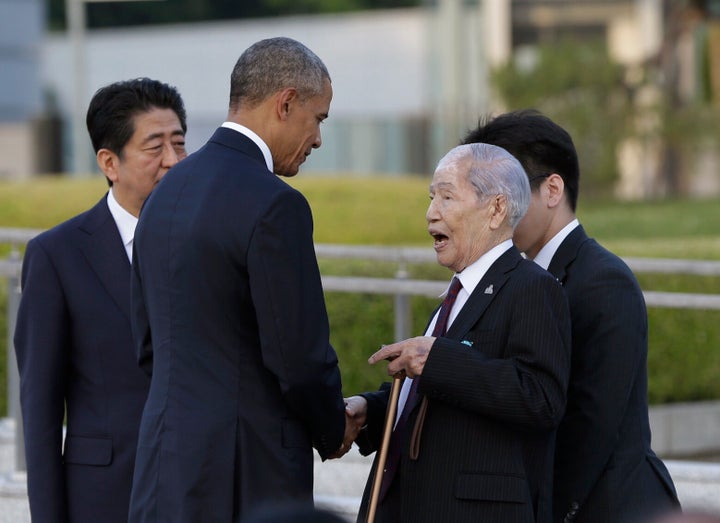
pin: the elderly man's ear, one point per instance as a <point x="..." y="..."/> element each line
<point x="499" y="211"/>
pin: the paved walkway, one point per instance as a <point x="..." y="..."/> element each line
<point x="339" y="484"/>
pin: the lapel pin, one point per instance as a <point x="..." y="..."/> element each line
<point x="489" y="289"/>
<point x="467" y="342"/>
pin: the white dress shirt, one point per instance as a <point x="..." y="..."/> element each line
<point x="124" y="221"/>
<point x="255" y="138"/>
<point x="545" y="256"/>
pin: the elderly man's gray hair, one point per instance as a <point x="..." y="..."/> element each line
<point x="493" y="171"/>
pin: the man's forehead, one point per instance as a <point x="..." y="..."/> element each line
<point x="448" y="175"/>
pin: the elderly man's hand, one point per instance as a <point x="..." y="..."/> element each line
<point x="406" y="357"/>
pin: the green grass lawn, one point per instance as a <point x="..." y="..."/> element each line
<point x="391" y="211"/>
<point x="684" y="361"/>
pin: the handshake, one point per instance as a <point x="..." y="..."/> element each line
<point x="407" y="358"/>
<point x="355" y="416"/>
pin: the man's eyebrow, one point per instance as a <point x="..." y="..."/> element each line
<point x="153" y="136"/>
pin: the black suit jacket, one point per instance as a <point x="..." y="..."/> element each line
<point x="605" y="470"/>
<point x="229" y="315"/>
<point x="495" y="386"/>
<point x="75" y="356"/>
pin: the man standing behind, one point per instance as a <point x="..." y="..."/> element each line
<point x="229" y="313"/>
<point x="73" y="339"/>
<point x="605" y="470"/>
<point x="476" y="425"/>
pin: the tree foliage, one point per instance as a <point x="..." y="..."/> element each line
<point x="602" y="104"/>
<point x="578" y="86"/>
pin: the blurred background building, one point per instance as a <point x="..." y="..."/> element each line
<point x="408" y="82"/>
<point x="27" y="127"/>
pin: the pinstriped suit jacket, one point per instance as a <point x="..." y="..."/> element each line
<point x="496" y="391"/>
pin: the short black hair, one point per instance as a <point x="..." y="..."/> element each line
<point x="270" y="65"/>
<point x="112" y="109"/>
<point x="541" y="146"/>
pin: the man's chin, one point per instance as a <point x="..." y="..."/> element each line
<point x="442" y="260"/>
<point x="287" y="171"/>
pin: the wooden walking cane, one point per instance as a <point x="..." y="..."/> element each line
<point x="383" y="452"/>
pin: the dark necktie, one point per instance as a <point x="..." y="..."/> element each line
<point x="398" y="434"/>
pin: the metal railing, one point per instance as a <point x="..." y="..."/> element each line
<point x="401" y="287"/>
<point x="403" y="256"/>
<point x="10" y="269"/>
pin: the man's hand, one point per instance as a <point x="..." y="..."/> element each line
<point x="406" y="357"/>
<point x="355" y="416"/>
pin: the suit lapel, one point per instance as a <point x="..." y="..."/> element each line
<point x="566" y="253"/>
<point x="484" y="293"/>
<point x="102" y="246"/>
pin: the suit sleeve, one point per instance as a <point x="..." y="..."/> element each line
<point x="293" y="325"/>
<point x="611" y="331"/>
<point x="370" y="437"/>
<point x="42" y="340"/>
<point x="521" y="377"/>
<point x="139" y="321"/>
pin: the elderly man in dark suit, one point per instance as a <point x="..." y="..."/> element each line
<point x="485" y="391"/>
<point x="605" y="469"/>
<point x="73" y="337"/>
<point x="229" y="313"/>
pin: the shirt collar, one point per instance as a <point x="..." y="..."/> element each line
<point x="545" y="256"/>
<point x="124" y="221"/>
<point x="255" y="138"/>
<point x="473" y="273"/>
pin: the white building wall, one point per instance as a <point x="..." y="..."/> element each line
<point x="378" y="61"/>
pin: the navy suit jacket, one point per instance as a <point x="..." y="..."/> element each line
<point x="229" y="316"/>
<point x="75" y="356"/>
<point x="605" y="469"/>
<point x="495" y="385"/>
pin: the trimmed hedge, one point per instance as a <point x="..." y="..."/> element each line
<point x="684" y="359"/>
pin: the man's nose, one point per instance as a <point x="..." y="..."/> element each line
<point x="431" y="215"/>
<point x="170" y="156"/>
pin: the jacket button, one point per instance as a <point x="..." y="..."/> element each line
<point x="570" y="516"/>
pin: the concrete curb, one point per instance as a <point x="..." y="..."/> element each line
<point x="683" y="429"/>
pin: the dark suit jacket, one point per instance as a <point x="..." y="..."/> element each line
<point x="229" y="314"/>
<point x="74" y="348"/>
<point x="493" y="405"/>
<point x="605" y="470"/>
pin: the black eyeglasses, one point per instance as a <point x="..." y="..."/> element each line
<point x="538" y="177"/>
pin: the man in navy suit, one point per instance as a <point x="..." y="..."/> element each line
<point x="73" y="335"/>
<point x="605" y="469"/>
<point x="229" y="314"/>
<point x="477" y="443"/>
